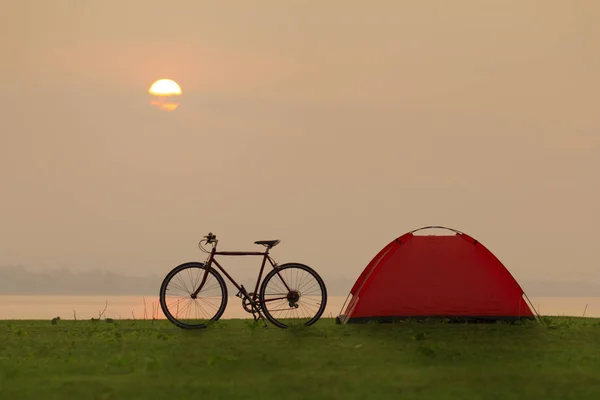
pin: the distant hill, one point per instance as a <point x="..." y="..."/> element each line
<point x="561" y="288"/>
<point x="21" y="281"/>
<point x="18" y="280"/>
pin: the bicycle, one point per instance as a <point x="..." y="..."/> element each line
<point x="287" y="290"/>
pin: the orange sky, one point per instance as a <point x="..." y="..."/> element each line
<point x="333" y="126"/>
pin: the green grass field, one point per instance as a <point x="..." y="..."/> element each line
<point x="559" y="359"/>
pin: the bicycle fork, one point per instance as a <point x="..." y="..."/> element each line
<point x="207" y="265"/>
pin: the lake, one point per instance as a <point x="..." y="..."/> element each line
<point x="127" y="307"/>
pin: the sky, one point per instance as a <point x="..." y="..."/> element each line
<point x="332" y="126"/>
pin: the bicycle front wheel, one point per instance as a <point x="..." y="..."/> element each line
<point x="178" y="302"/>
<point x="292" y="295"/>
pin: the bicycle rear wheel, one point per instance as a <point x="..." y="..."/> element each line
<point x="293" y="294"/>
<point x="176" y="296"/>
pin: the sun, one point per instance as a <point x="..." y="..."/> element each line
<point x="164" y="94"/>
<point x="165" y="87"/>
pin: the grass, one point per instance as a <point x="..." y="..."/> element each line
<point x="559" y="359"/>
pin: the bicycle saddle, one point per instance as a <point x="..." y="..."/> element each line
<point x="268" y="243"/>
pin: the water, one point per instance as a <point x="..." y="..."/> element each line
<point x="128" y="307"/>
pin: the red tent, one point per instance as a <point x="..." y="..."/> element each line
<point x="445" y="276"/>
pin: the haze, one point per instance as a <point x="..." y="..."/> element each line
<point x="333" y="126"/>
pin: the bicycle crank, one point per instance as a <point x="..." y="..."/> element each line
<point x="247" y="305"/>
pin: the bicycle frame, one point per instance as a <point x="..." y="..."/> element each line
<point x="266" y="257"/>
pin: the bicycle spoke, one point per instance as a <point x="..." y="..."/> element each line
<point x="303" y="303"/>
<point x="187" y="310"/>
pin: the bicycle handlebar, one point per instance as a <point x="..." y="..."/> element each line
<point x="210" y="238"/>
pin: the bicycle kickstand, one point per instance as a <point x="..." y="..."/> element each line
<point x="260" y="316"/>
